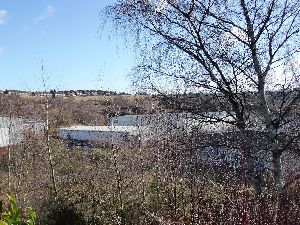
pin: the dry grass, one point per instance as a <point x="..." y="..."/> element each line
<point x="104" y="97"/>
<point x="90" y="98"/>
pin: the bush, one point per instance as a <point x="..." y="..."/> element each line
<point x="61" y="213"/>
<point x="13" y="215"/>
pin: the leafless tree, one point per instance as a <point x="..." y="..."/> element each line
<point x="243" y="56"/>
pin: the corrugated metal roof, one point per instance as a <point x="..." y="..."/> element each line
<point x="174" y="118"/>
<point x="98" y="133"/>
<point x="101" y="128"/>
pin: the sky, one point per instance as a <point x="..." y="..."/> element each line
<point x="57" y="44"/>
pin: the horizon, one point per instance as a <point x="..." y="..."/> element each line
<point x="66" y="90"/>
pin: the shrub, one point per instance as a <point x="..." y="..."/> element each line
<point x="13" y="215"/>
<point x="61" y="213"/>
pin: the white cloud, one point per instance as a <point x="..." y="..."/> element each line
<point x="3" y="15"/>
<point x="161" y="5"/>
<point x="50" y="10"/>
<point x="234" y="34"/>
<point x="284" y="76"/>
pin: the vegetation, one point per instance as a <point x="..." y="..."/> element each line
<point x="158" y="181"/>
<point x="233" y="50"/>
<point x="13" y="215"/>
<point x="221" y="142"/>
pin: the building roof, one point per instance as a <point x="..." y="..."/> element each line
<point x="149" y="126"/>
<point x="127" y="129"/>
<point x="146" y="119"/>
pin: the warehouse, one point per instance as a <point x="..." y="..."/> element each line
<point x="13" y="128"/>
<point x="104" y="134"/>
<point x="146" y="127"/>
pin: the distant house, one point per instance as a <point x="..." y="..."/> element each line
<point x="17" y="92"/>
<point x="82" y="93"/>
<point x="60" y="94"/>
<point x="43" y="94"/>
<point x="22" y="92"/>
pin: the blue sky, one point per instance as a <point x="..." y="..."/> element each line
<point x="62" y="37"/>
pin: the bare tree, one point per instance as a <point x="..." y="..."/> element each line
<point x="243" y="55"/>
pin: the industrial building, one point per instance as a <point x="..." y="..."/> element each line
<point x="146" y="127"/>
<point x="12" y="130"/>
<point x="98" y="133"/>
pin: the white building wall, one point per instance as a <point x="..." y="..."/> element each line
<point x="12" y="129"/>
<point x="4" y="137"/>
<point x="91" y="135"/>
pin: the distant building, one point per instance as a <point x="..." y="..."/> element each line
<point x="218" y="142"/>
<point x="43" y="94"/>
<point x="22" y="93"/>
<point x="155" y="125"/>
<point x="60" y="94"/>
<point x="146" y="127"/>
<point x="230" y="149"/>
<point x="17" y="92"/>
<point x="84" y="135"/>
<point x="13" y="128"/>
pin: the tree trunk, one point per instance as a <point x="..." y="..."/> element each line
<point x="277" y="173"/>
<point x="252" y="173"/>
<point x="276" y="161"/>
